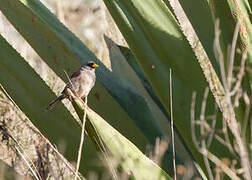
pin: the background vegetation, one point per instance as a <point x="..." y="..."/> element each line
<point x="207" y="45"/>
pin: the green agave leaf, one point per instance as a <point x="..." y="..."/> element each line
<point x="126" y="75"/>
<point x="130" y="158"/>
<point x="129" y="56"/>
<point x="122" y="70"/>
<point x="180" y="144"/>
<point x="148" y="27"/>
<point x="155" y="38"/>
<point x="199" y="14"/>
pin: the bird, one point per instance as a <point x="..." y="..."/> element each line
<point x="81" y="82"/>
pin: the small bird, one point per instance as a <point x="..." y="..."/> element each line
<point x="81" y="82"/>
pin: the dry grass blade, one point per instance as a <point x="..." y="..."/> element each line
<point x="172" y="130"/>
<point x="82" y="133"/>
<point x="81" y="141"/>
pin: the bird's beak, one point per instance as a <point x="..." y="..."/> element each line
<point x="95" y="65"/>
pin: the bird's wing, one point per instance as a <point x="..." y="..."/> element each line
<point x="74" y="75"/>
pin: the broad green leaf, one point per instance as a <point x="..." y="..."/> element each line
<point x="129" y="56"/>
<point x="127" y="74"/>
<point x="199" y="14"/>
<point x="155" y="38"/>
<point x="181" y="150"/>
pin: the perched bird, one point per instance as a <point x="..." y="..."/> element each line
<point x="81" y="82"/>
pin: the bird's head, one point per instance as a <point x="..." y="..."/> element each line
<point x="91" y="65"/>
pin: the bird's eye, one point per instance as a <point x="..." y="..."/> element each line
<point x="93" y="65"/>
<point x="90" y="64"/>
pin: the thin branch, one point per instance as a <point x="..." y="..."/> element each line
<point x="229" y="172"/>
<point x="228" y="111"/>
<point x="172" y="129"/>
<point x="194" y="139"/>
<point x="210" y="156"/>
<point x="232" y="55"/>
<point x="240" y="74"/>
<point x="219" y="55"/>
<point x="202" y="133"/>
<point x="211" y="135"/>
<point x="221" y="140"/>
<point x="246" y="116"/>
<point x="226" y="136"/>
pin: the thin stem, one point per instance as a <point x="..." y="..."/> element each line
<point x="27" y="163"/>
<point x="210" y="156"/>
<point x="194" y="139"/>
<point x="219" y="55"/>
<point x="226" y="136"/>
<point x="229" y="172"/>
<point x="81" y="141"/>
<point x="246" y="115"/>
<point x="232" y="55"/>
<point x="211" y="135"/>
<point x="172" y="130"/>
<point x="202" y="133"/>
<point x="240" y="74"/>
<point x="228" y="111"/>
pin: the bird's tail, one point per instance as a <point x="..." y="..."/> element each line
<point x="54" y="102"/>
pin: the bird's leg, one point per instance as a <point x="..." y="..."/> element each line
<point x="70" y="98"/>
<point x="72" y="95"/>
<point x="82" y="101"/>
